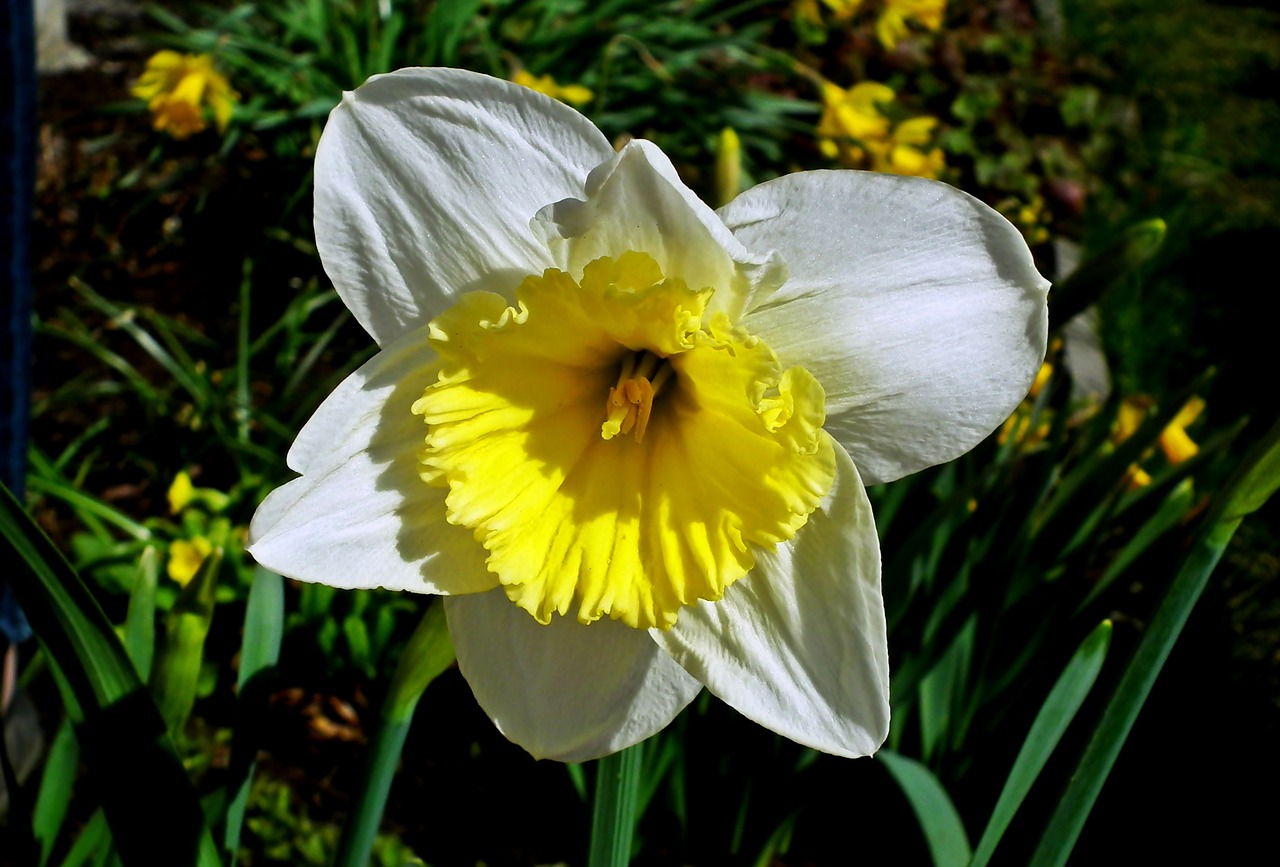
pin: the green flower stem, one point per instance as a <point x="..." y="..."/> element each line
<point x="427" y="655"/>
<point x="613" y="820"/>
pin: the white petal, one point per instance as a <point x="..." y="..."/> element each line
<point x="800" y="645"/>
<point x="426" y="180"/>
<point x="916" y="306"/>
<point x="636" y="201"/>
<point x="564" y="691"/>
<point x="360" y="516"/>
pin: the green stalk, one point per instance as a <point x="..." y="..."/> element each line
<point x="427" y="655"/>
<point x="1255" y="482"/>
<point x="613" y="820"/>
<point x="260" y="650"/>
<point x="242" y="352"/>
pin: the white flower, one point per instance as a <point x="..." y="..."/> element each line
<point x="596" y="396"/>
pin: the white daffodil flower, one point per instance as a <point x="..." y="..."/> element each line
<point x="624" y="435"/>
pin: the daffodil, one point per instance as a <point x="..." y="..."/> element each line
<point x="1174" y="441"/>
<point x="854" y="113"/>
<point x="186" y="557"/>
<point x="891" y="26"/>
<point x="177" y="88"/>
<point x="181" y="492"/>
<point x="906" y="151"/>
<point x="627" y="436"/>
<point x="574" y="94"/>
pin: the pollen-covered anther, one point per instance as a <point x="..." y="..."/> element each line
<point x="630" y="402"/>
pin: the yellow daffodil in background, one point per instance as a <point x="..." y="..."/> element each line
<point x="1031" y="217"/>
<point x="891" y="26"/>
<point x="906" y="151"/>
<point x="574" y="94"/>
<point x="1129" y="418"/>
<point x="854" y="130"/>
<point x="810" y="12"/>
<point x="185" y="557"/>
<point x="181" y="492"/>
<point x="177" y="89"/>
<point x="854" y="113"/>
<point x="627" y="436"/>
<point x="1017" y="427"/>
<point x="1174" y="442"/>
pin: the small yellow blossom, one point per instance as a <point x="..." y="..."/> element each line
<point x="178" y="87"/>
<point x="1136" y="478"/>
<point x="854" y="113"/>
<point x="1177" y="446"/>
<point x="1030" y="217"/>
<point x="1128" y="418"/>
<point x="854" y="130"/>
<point x="892" y="27"/>
<point x="1174" y="441"/>
<point x="185" y="558"/>
<point x="902" y="154"/>
<point x="574" y="94"/>
<point x="181" y="493"/>
<point x="1043" y="375"/>
<point x="809" y="12"/>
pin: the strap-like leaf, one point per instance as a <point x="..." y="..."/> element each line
<point x="149" y="801"/>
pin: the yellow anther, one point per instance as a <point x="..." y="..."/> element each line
<point x="630" y="402"/>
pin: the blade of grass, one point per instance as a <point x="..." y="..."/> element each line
<point x="177" y="664"/>
<point x="127" y="320"/>
<point x="95" y="837"/>
<point x="1051" y="722"/>
<point x="1254" y="483"/>
<point x="263" y="631"/>
<point x="943" y="831"/>
<point x="242" y="352"/>
<point x="54" y="795"/>
<point x="83" y="502"/>
<point x="428" y="653"/>
<point x="121" y="733"/>
<point x="140" y="621"/>
<point x="613" y="818"/>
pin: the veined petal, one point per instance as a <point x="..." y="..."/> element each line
<point x="917" y="307"/>
<point x="564" y="691"/>
<point x="800" y="644"/>
<point x="426" y="180"/>
<point x="360" y="516"/>
<point x="636" y="201"/>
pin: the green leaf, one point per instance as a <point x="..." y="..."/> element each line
<point x="943" y="830"/>
<point x="613" y="818"/>
<point x="445" y="26"/>
<point x="140" y="622"/>
<point x="1051" y="722"/>
<point x="120" y="731"/>
<point x="177" y="665"/>
<point x="1133" y="248"/>
<point x="59" y="775"/>
<point x="263" y="633"/>
<point x="93" y="840"/>
<point x="428" y="654"/>
<point x="1252" y="484"/>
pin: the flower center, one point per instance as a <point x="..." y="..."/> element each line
<point x="630" y="402"/>
<point x="728" y="453"/>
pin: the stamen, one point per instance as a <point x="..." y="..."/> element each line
<point x="630" y="402"/>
